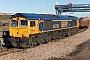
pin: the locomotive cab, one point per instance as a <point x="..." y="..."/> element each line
<point x="22" y="27"/>
<point x="18" y="27"/>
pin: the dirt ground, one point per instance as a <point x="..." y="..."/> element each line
<point x="82" y="53"/>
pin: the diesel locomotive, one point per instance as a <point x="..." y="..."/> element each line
<point x="27" y="30"/>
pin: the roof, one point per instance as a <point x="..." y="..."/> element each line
<point x="44" y="16"/>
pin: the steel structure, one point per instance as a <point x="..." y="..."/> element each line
<point x="72" y="8"/>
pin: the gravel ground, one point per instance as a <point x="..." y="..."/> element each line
<point x="60" y="48"/>
<point x="84" y="54"/>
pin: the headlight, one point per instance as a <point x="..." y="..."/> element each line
<point x="11" y="34"/>
<point x="24" y="35"/>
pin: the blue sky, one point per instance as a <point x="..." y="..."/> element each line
<point x="36" y="6"/>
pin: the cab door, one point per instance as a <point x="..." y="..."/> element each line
<point x="34" y="27"/>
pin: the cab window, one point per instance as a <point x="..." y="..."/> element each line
<point x="32" y="23"/>
<point x="23" y="23"/>
<point x="14" y="23"/>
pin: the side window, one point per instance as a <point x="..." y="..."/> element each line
<point x="32" y="23"/>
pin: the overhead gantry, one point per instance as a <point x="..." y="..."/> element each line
<point x="72" y="8"/>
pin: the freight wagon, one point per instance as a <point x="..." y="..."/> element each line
<point x="84" y="22"/>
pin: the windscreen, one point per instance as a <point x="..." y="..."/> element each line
<point x="14" y="23"/>
<point x="23" y="23"/>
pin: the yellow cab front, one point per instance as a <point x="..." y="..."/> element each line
<point x="19" y="27"/>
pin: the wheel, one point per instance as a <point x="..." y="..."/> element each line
<point x="13" y="42"/>
<point x="31" y="45"/>
<point x="58" y="34"/>
<point x="47" y="37"/>
<point x="39" y="39"/>
<point x="54" y="36"/>
<point x="34" y="40"/>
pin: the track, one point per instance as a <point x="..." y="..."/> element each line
<point x="8" y="51"/>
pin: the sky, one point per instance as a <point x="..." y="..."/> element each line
<point x="37" y="6"/>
